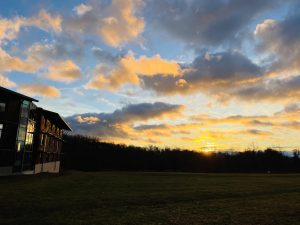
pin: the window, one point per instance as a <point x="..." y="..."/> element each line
<point x="1" y="128"/>
<point x="2" y="107"/>
<point x="22" y="133"/>
<point x="24" y="110"/>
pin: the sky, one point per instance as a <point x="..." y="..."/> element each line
<point x="193" y="74"/>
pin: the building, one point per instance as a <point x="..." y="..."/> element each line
<point x="30" y="137"/>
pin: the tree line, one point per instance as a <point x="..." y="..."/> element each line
<point x="88" y="154"/>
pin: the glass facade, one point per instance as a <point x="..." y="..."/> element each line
<point x="24" y="142"/>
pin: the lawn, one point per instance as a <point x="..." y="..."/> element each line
<point x="113" y="198"/>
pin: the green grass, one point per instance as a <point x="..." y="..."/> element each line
<point x="113" y="198"/>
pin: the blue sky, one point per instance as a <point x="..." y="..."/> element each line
<point x="190" y="74"/>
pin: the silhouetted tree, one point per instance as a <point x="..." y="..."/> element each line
<point x="88" y="154"/>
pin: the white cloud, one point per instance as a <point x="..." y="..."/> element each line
<point x="88" y="119"/>
<point x="82" y="9"/>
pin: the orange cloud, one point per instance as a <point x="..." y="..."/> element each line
<point x="121" y="25"/>
<point x="39" y="90"/>
<point x="9" y="29"/>
<point x="64" y="71"/>
<point x="150" y="66"/>
<point x="9" y="63"/>
<point x="115" y="24"/>
<point x="5" y="82"/>
<point x="45" y="21"/>
<point x="129" y="69"/>
<point x="133" y="129"/>
<point x="265" y="26"/>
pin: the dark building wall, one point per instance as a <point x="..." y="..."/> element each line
<point x="12" y="110"/>
<point x="10" y="120"/>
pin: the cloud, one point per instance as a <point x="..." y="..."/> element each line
<point x="129" y="69"/>
<point x="230" y="119"/>
<point x="288" y="118"/>
<point x="198" y="132"/>
<point x="116" y="23"/>
<point x="151" y="127"/>
<point x="143" y="111"/>
<point x="131" y="123"/>
<point x="62" y="49"/>
<point x="64" y="71"/>
<point x="271" y="90"/>
<point x="220" y="75"/>
<point x="10" y="63"/>
<point x="212" y="73"/>
<point x="42" y="56"/>
<point x="260" y="123"/>
<point x="281" y="40"/>
<point x="10" y="28"/>
<point x="292" y="125"/>
<point x="122" y="25"/>
<point x="166" y="130"/>
<point x="51" y="60"/>
<point x="245" y="121"/>
<point x="45" y="21"/>
<point x="255" y="132"/>
<point x="5" y="82"/>
<point x="120" y="122"/>
<point x="150" y="66"/>
<point x="82" y="9"/>
<point x="88" y="119"/>
<point x="289" y="109"/>
<point x="106" y="57"/>
<point x="39" y="90"/>
<point x="207" y="22"/>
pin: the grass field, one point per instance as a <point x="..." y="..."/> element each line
<point x="112" y="198"/>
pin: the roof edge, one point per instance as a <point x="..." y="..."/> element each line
<point x="67" y="127"/>
<point x="18" y="94"/>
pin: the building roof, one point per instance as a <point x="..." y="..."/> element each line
<point x="2" y="89"/>
<point x="55" y="117"/>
